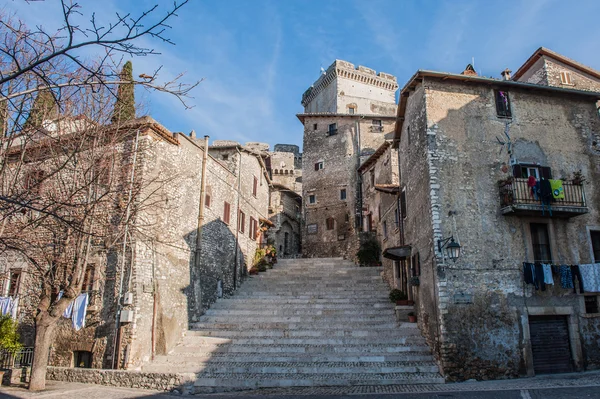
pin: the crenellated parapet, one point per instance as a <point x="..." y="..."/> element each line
<point x="347" y="70"/>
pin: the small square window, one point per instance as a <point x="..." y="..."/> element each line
<point x="319" y="165"/>
<point x="315" y="126"/>
<point x="351" y="110"/>
<point x="376" y="125"/>
<point x="591" y="304"/>
<point x="312" y="199"/>
<point x="224" y="157"/>
<point x="330" y="223"/>
<point x="332" y="129"/>
<point x="343" y="194"/>
<point x="82" y="359"/>
<point x="565" y="78"/>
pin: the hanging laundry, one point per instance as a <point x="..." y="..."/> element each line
<point x="79" y="311"/>
<point x="5" y="305"/>
<point x="531" y="183"/>
<point x="528" y="273"/>
<point x="566" y="277"/>
<point x="590" y="274"/>
<point x="68" y="310"/>
<point x="14" y="308"/>
<point x="539" y="277"/>
<point x="576" y="273"/>
<point x="558" y="191"/>
<point x="548" y="273"/>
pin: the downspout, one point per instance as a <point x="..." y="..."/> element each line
<point x="154" y="300"/>
<point x="201" y="204"/>
<point x="126" y="232"/>
<point x="359" y="199"/>
<point x="237" y="218"/>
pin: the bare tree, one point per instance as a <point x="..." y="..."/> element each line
<point x="67" y="171"/>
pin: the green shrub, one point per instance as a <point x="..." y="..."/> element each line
<point x="397" y="295"/>
<point x="369" y="252"/>
<point x="9" y="337"/>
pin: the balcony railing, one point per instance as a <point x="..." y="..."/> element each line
<point x="17" y="359"/>
<point x="516" y="197"/>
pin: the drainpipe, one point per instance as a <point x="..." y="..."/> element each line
<point x="117" y="342"/>
<point x="237" y="230"/>
<point x="202" y="204"/>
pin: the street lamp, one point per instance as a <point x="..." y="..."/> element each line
<point x="452" y="248"/>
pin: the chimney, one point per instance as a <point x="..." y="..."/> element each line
<point x="506" y="74"/>
<point x="193" y="134"/>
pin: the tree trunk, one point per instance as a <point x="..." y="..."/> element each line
<point x="44" y="329"/>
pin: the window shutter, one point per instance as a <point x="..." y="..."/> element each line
<point x="546" y="172"/>
<point x="317" y="166"/>
<point x="517" y="171"/>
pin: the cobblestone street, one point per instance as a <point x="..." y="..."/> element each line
<point x="573" y="385"/>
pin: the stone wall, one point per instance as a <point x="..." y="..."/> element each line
<point x="484" y="338"/>
<point x="284" y="213"/>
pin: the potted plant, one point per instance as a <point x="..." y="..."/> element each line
<point x="412" y="317"/>
<point x="414" y="281"/>
<point x="9" y="338"/>
<point x="578" y="178"/>
<point x="400" y="297"/>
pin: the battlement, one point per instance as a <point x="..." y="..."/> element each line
<point x="347" y="70"/>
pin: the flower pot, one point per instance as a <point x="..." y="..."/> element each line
<point x="405" y="302"/>
<point x="412" y="319"/>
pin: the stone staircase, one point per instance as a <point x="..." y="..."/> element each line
<point x="307" y="322"/>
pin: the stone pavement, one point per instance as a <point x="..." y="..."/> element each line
<point x="573" y="385"/>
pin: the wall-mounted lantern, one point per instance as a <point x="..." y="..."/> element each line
<point x="452" y="248"/>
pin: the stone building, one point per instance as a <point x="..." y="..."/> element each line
<point x="468" y="146"/>
<point x="286" y="166"/>
<point x="347" y="113"/>
<point x="284" y="213"/>
<point x="144" y="298"/>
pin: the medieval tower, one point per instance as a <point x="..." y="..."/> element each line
<point x="348" y="112"/>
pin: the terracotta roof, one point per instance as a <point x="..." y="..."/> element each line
<point x="266" y="221"/>
<point x="341" y="115"/>
<point x="420" y="74"/>
<point x="542" y="51"/>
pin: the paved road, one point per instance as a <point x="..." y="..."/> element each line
<point x="79" y="391"/>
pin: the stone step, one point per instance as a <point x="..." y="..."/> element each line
<point x="303" y="368"/>
<point x="204" y="356"/>
<point x="260" y="301"/>
<point x="250" y="381"/>
<point x="191" y="341"/>
<point x="389" y="312"/>
<point x="291" y="326"/>
<point x="298" y="319"/>
<point x="348" y="332"/>
<point x="259" y="349"/>
<point x="366" y="295"/>
<point x="223" y="305"/>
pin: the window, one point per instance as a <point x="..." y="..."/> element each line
<point x="385" y="231"/>
<point x="591" y="304"/>
<point x="312" y="228"/>
<point x="370" y="222"/>
<point x="14" y="282"/>
<point x="524" y="171"/>
<point x="330" y="223"/>
<point x="88" y="279"/>
<point x="225" y="157"/>
<point x="241" y="221"/>
<point x="82" y="359"/>
<point x="319" y="165"/>
<point x="312" y="199"/>
<point x="540" y="243"/>
<point x="372" y="177"/>
<point x="403" y="203"/>
<point x="396" y="217"/>
<point x="315" y="126"/>
<point x="347" y="217"/>
<point x="351" y="110"/>
<point x="376" y="125"/>
<point x="408" y="134"/>
<point x="207" y="200"/>
<point x="255" y="186"/>
<point x="565" y="78"/>
<point x="415" y="266"/>
<point x="332" y="129"/>
<point x="502" y="104"/>
<point x="253" y="228"/>
<point x="595" y="237"/>
<point x="226" y="212"/>
<point x="343" y="194"/>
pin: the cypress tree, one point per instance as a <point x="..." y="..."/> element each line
<point x="44" y="107"/>
<point x="125" y="104"/>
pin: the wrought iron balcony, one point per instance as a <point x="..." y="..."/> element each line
<point x="517" y="198"/>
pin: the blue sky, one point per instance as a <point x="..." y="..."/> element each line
<point x="258" y="56"/>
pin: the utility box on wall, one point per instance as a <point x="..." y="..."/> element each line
<point x="126" y="316"/>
